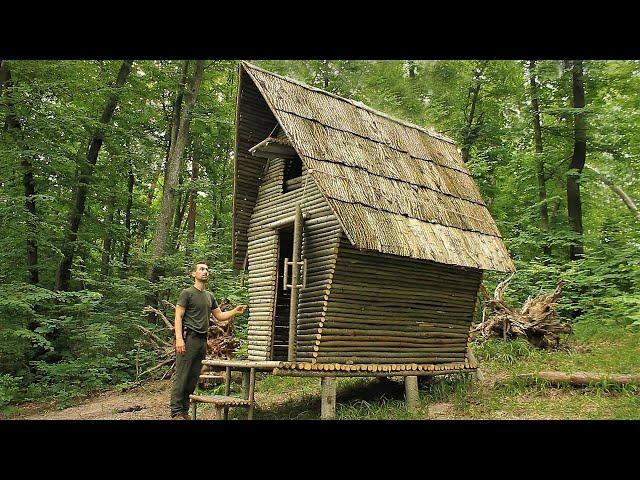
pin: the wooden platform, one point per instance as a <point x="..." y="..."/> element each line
<point x="344" y="370"/>
<point x="327" y="372"/>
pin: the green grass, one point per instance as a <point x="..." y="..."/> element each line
<point x="499" y="396"/>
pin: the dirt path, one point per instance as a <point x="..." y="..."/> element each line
<point x="150" y="402"/>
<point x="147" y="402"/>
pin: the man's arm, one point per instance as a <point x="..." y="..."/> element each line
<point x="222" y="316"/>
<point x="178" y="326"/>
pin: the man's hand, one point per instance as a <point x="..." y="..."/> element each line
<point x="240" y="309"/>
<point x="180" y="348"/>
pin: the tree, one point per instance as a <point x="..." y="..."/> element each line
<point x="574" y="203"/>
<point x="63" y="274"/>
<point x="537" y="136"/>
<point x="13" y="126"/>
<point x="174" y="159"/>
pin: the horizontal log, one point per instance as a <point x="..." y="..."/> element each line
<point x="406" y="274"/>
<point x="381" y="359"/>
<point x="407" y="333"/>
<point x="339" y="340"/>
<point x="362" y="373"/>
<point x="581" y="379"/>
<point x="348" y="310"/>
<point x="243" y="364"/>
<point x="393" y="322"/>
<point x="389" y="298"/>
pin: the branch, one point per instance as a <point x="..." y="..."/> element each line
<point x="150" y="309"/>
<point x="608" y="181"/>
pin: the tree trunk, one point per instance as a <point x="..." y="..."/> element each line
<point x="172" y="131"/>
<point x="144" y="223"/>
<point x="63" y="274"/>
<point x="193" y="198"/>
<point x="173" y="167"/>
<point x="180" y="209"/>
<point x="471" y="130"/>
<point x="574" y="204"/>
<point x="127" y="216"/>
<point x="537" y="136"/>
<point x="13" y="126"/>
<point x="107" y="241"/>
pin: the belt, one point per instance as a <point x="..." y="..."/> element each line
<point x="188" y="330"/>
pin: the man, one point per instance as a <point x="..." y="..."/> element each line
<point x="193" y="311"/>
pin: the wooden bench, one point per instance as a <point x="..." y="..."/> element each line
<point x="220" y="402"/>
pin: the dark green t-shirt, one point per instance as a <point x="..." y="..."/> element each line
<point x="198" y="306"/>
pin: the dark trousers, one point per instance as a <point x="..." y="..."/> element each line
<point x="188" y="367"/>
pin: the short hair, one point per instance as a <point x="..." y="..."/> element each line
<point x="195" y="265"/>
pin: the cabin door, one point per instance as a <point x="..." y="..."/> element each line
<point x="280" y="343"/>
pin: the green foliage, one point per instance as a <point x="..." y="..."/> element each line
<point x="508" y="353"/>
<point x="9" y="389"/>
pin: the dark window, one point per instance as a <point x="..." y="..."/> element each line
<point x="292" y="174"/>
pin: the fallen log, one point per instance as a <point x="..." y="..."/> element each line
<point x="537" y="320"/>
<point x="581" y="379"/>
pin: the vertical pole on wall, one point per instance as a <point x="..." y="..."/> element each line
<point x="295" y="273"/>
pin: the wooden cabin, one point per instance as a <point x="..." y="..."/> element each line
<point x="364" y="236"/>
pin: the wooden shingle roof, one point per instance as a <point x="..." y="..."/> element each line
<point x="395" y="187"/>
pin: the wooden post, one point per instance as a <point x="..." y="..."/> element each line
<point x="412" y="396"/>
<point x="252" y="389"/>
<point x="328" y="398"/>
<point x="219" y="415"/>
<point x="227" y="389"/>
<point x="295" y="273"/>
<point x="472" y="358"/>
<point x="245" y="384"/>
<point x="194" y="406"/>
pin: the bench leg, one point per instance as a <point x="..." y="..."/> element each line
<point x="245" y="384"/>
<point x="227" y="389"/>
<point x="194" y="407"/>
<point x="251" y="393"/>
<point x="219" y="413"/>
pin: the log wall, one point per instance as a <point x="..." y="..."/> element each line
<point x="319" y="246"/>
<point x="254" y="122"/>
<point x="387" y="309"/>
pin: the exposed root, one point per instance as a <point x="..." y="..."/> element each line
<point x="537" y="320"/>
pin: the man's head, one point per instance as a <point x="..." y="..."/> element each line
<point x="200" y="271"/>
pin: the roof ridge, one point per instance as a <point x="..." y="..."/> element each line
<point x="356" y="103"/>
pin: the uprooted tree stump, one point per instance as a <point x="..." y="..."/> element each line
<point x="537" y="320"/>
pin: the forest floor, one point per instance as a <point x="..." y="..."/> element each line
<point x="498" y="396"/>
